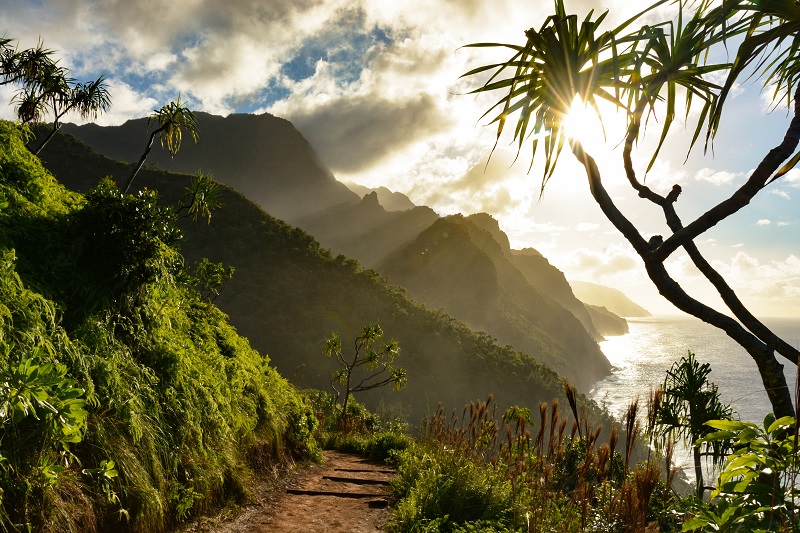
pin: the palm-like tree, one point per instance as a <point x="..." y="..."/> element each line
<point x="689" y="401"/>
<point x="201" y="197"/>
<point x="634" y="70"/>
<point x="57" y="94"/>
<point x="46" y="88"/>
<point x="172" y="119"/>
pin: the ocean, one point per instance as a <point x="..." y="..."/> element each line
<point x="641" y="358"/>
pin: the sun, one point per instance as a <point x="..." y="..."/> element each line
<point x="582" y="123"/>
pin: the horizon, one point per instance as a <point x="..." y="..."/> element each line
<point x="375" y="89"/>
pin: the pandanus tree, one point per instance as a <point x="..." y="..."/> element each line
<point x="171" y="119"/>
<point x="642" y="70"/>
<point x="46" y="89"/>
<point x="689" y="401"/>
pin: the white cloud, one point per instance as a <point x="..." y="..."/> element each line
<point x="717" y="177"/>
<point x="587" y="226"/>
<point x="781" y="194"/>
<point x="764" y="222"/>
<point x="792" y="178"/>
<point x="771" y="288"/>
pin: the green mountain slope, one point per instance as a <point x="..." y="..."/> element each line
<point x="288" y="294"/>
<point x="127" y="402"/>
<point x="459" y="267"/>
<point x="366" y="231"/>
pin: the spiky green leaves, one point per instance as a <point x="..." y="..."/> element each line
<point x="172" y="119"/>
<point x="565" y="58"/>
<point x="639" y="70"/>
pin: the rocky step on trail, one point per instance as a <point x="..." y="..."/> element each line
<point x="345" y="494"/>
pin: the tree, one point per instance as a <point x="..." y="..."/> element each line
<point x="633" y="69"/>
<point x="46" y="88"/>
<point x="378" y="363"/>
<point x="172" y="119"/>
<point x="18" y="66"/>
<point x="201" y="197"/>
<point x="689" y="402"/>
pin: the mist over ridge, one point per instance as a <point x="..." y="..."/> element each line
<point x="519" y="299"/>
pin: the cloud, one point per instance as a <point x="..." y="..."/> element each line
<point x="610" y="262"/>
<point x="764" y="222"/>
<point x="781" y="193"/>
<point x="717" y="177"/>
<point x="355" y="133"/>
<point x="587" y="226"/>
<point x="792" y="178"/>
<point x="771" y="287"/>
<point x="127" y="103"/>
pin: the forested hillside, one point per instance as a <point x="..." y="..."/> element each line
<point x="127" y="401"/>
<point x="288" y="294"/>
<point x="460" y="267"/>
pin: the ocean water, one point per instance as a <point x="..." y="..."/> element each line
<point x="642" y="357"/>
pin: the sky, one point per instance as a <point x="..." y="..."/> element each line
<point x="375" y="86"/>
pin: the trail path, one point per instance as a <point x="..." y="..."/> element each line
<point x="346" y="494"/>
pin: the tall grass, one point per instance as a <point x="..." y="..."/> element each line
<point x="475" y="470"/>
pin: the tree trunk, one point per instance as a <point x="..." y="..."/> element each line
<point x="771" y="371"/>
<point x="142" y="159"/>
<point x="56" y="127"/>
<point x="698" y="471"/>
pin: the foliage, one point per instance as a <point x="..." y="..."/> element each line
<point x="202" y="196"/>
<point x="208" y="278"/>
<point x="378" y="364"/>
<point x="172" y="119"/>
<point x="475" y="470"/>
<point x="690" y="401"/>
<point x="127" y="402"/>
<point x="282" y="267"/>
<point x="46" y="90"/>
<point x="757" y="490"/>
<point x="634" y="69"/>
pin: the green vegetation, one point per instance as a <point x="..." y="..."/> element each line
<point x="289" y="293"/>
<point x="758" y="487"/>
<point x="378" y="364"/>
<point x="127" y="401"/>
<point x="172" y="119"/>
<point x="46" y="90"/>
<point x="475" y="471"/>
<point x="688" y="403"/>
<point x="635" y="70"/>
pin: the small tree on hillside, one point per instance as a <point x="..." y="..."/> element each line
<point x="377" y="361"/>
<point x="172" y="119"/>
<point x="637" y="69"/>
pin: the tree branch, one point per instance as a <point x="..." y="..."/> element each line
<point x="757" y="181"/>
<point x="770" y="369"/>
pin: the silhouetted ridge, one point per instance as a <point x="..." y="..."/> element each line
<point x="262" y="156"/>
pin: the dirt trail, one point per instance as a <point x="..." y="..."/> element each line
<point x="346" y="494"/>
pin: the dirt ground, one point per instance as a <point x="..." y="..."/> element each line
<point x="346" y="494"/>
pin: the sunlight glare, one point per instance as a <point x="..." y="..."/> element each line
<point x="583" y="124"/>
